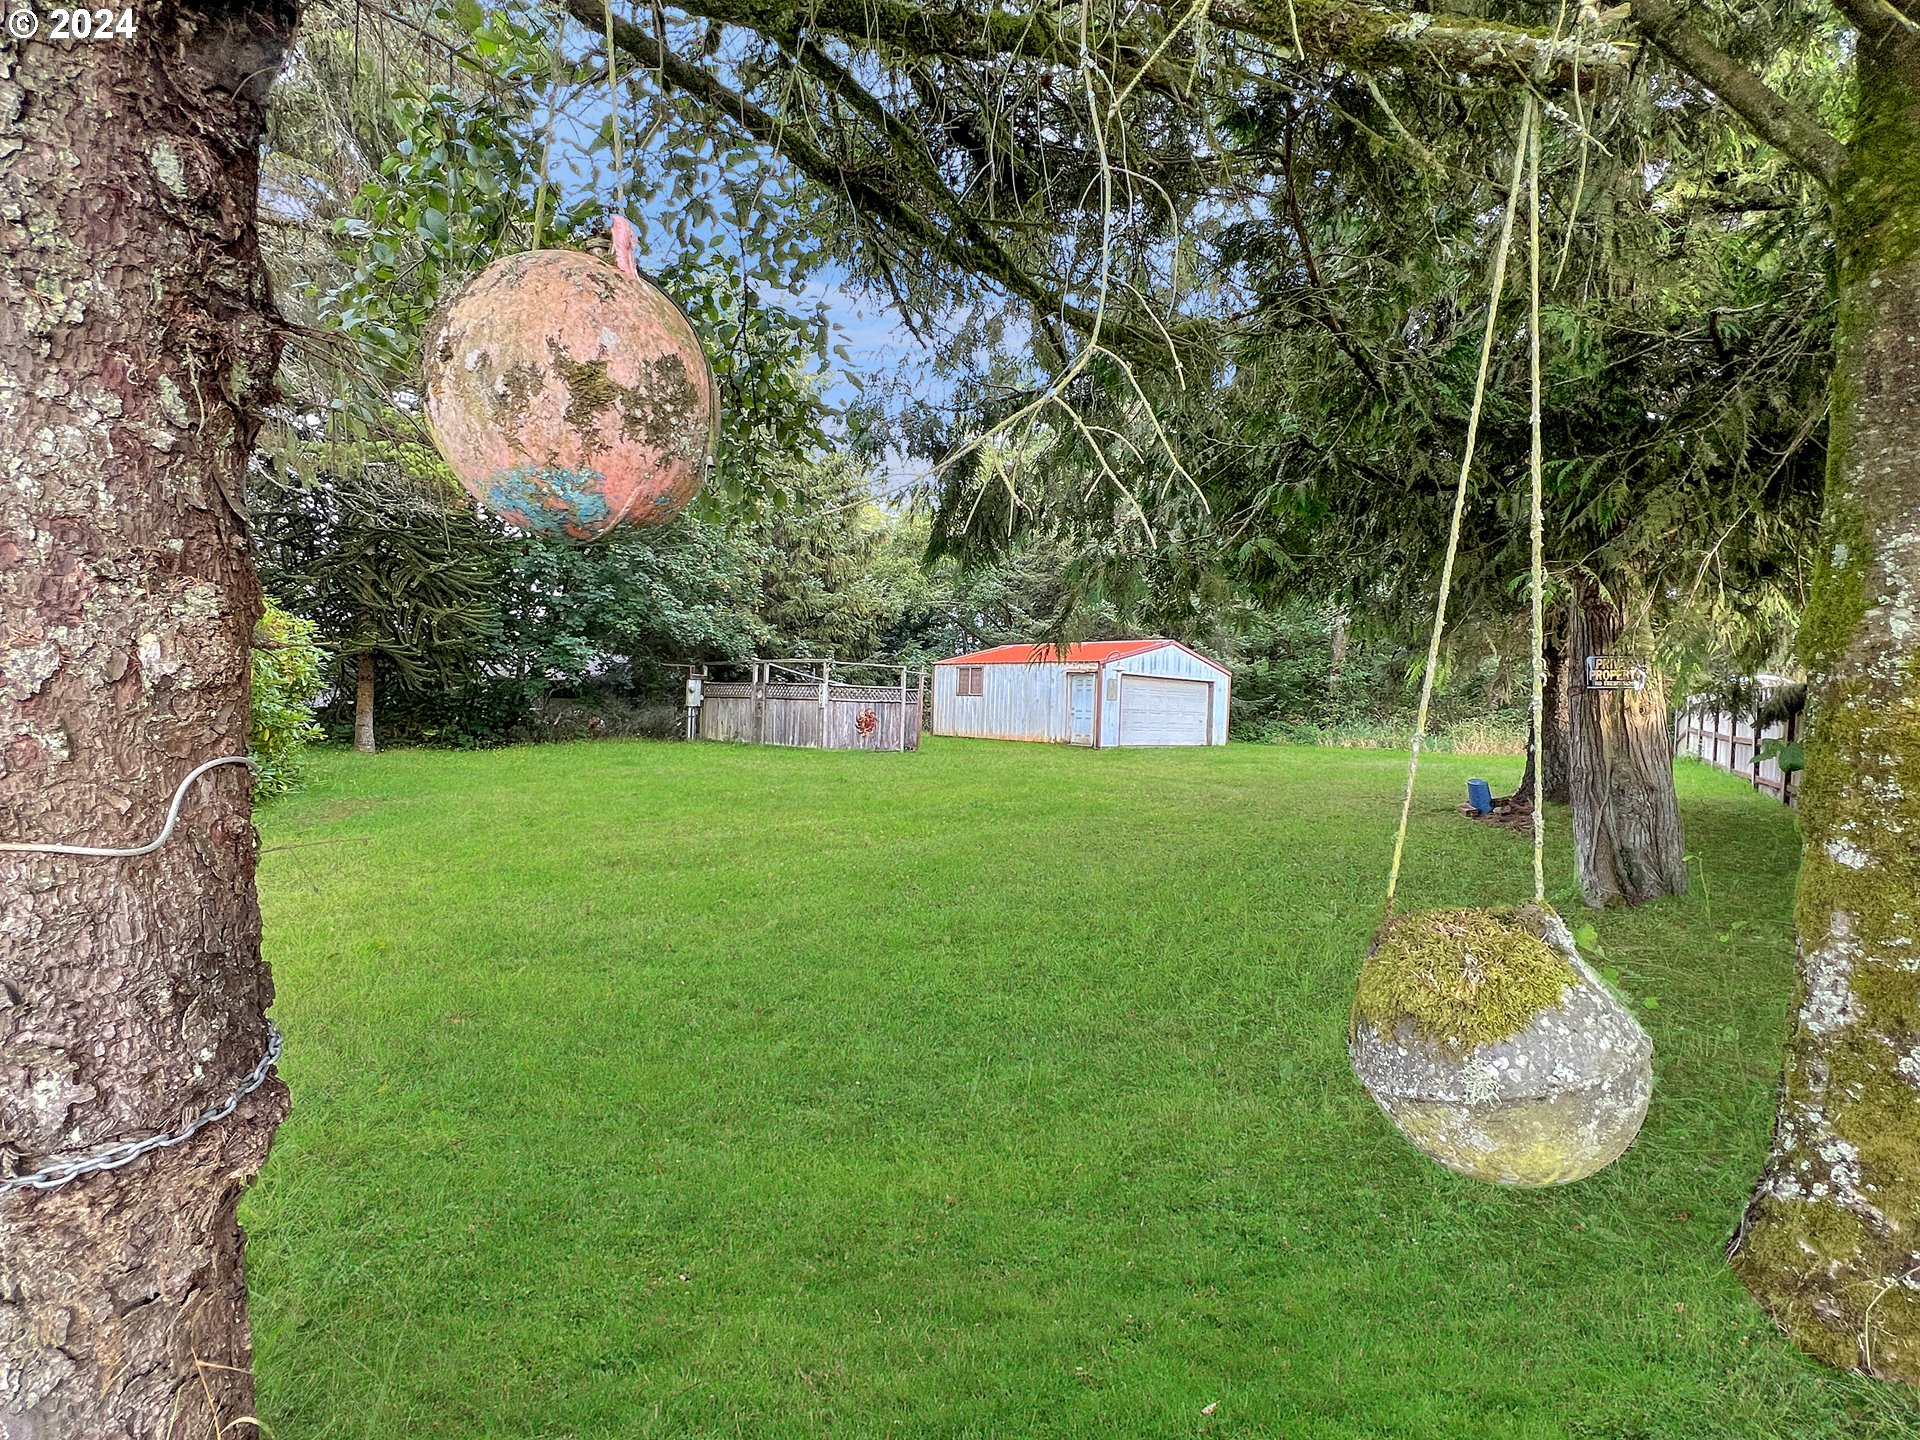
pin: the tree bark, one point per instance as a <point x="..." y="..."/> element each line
<point x="1628" y="845"/>
<point x="1555" y="764"/>
<point x="1549" y="759"/>
<point x="134" y="350"/>
<point x="1830" y="1243"/>
<point x="363" y="706"/>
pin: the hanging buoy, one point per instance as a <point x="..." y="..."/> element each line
<point x="1491" y="1044"/>
<point x="570" y="395"/>
<point x="1482" y="1033"/>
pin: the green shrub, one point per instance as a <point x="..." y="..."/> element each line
<point x="286" y="687"/>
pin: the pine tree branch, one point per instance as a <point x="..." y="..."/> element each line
<point x="906" y="145"/>
<point x="991" y="262"/>
<point x="1369" y="38"/>
<point x="1360" y="36"/>
<point x="1773" y="117"/>
<point x="1882" y="20"/>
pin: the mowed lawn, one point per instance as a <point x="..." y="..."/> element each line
<point x="994" y="1090"/>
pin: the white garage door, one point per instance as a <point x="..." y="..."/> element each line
<point x="1163" y="712"/>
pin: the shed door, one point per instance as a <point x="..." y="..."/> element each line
<point x="1080" y="708"/>
<point x="1164" y="712"/>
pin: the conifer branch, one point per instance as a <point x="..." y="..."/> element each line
<point x="1774" y="118"/>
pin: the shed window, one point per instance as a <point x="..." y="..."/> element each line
<point x="969" y="679"/>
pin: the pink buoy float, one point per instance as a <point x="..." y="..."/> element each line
<point x="571" y="396"/>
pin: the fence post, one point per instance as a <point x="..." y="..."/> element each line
<point x="759" y="706"/>
<point x="1790" y="779"/>
<point x="826" y="682"/>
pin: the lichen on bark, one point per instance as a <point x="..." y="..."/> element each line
<point x="133" y="359"/>
<point x="1830" y="1243"/>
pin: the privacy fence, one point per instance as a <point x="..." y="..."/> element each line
<point x="1731" y="735"/>
<point x="822" y="704"/>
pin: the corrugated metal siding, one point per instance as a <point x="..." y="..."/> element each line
<point x="1029" y="702"/>
<point x="1170" y="662"/>
<point x="1019" y="702"/>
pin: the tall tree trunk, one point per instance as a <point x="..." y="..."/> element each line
<point x="1830" y="1244"/>
<point x="1626" y="818"/>
<point x="133" y="350"/>
<point x="1555" y="764"/>
<point x="363" y="705"/>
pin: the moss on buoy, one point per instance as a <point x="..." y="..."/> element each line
<point x="570" y="398"/>
<point x="1462" y="978"/>
<point x="1494" y="1047"/>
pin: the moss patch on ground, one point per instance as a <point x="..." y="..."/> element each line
<point x="1464" y="978"/>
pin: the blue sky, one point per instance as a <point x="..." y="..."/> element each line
<point x="880" y="348"/>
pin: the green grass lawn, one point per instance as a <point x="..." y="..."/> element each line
<point x="996" y="1090"/>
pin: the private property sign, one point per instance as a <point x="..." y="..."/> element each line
<point x="1616" y="672"/>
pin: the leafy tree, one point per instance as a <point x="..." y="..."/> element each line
<point x="574" y="617"/>
<point x="288" y="681"/>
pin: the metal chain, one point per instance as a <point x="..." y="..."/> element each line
<point x="125" y="1152"/>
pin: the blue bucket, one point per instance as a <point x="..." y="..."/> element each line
<point x="1480" y="796"/>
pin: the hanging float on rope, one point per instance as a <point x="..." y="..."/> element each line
<point x="571" y="396"/>
<point x="1482" y="1033"/>
<point x="1494" y="1047"/>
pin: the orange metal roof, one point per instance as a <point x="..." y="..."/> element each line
<point x="1091" y="652"/>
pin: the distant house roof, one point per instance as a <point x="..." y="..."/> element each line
<point x="1090" y="652"/>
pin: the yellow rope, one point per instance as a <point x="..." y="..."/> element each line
<point x="1460" y="496"/>
<point x="613" y="117"/>
<point x="546" y="144"/>
<point x="1539" y="563"/>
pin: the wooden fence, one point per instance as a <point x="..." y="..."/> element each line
<point x="775" y="707"/>
<point x="1728" y="739"/>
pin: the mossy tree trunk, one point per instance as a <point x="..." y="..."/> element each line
<point x="135" y="348"/>
<point x="1830" y="1244"/>
<point x="1628" y="845"/>
<point x="363" y="705"/>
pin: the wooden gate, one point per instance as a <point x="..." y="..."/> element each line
<point x="782" y="705"/>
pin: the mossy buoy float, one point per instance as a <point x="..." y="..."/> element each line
<point x="1494" y="1047"/>
<point x="569" y="395"/>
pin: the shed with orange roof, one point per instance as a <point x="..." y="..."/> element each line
<point x="1099" y="693"/>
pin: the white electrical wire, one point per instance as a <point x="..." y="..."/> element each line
<point x="173" y="815"/>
